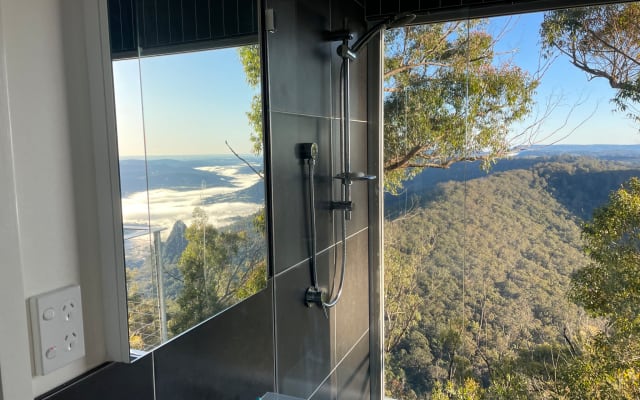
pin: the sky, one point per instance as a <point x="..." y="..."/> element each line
<point x="199" y="98"/>
<point x="202" y="97"/>
<point x="567" y="86"/>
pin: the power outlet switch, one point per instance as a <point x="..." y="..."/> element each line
<point x="56" y="326"/>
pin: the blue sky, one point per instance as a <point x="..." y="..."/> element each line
<point x="200" y="98"/>
<point x="567" y="86"/>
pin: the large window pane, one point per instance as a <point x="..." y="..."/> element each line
<point x="503" y="139"/>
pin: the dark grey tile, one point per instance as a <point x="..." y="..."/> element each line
<point x="188" y="17"/>
<point x="148" y="26"/>
<point x="353" y="373"/>
<point x="348" y="15"/>
<point x="409" y="5"/>
<point x="299" y="57"/>
<point x="388" y="7"/>
<point x="304" y="345"/>
<point x="359" y="189"/>
<point x="328" y="390"/>
<point x="113" y="381"/>
<point x="216" y="16"/>
<point x="230" y="17"/>
<point x="203" y="25"/>
<point x="162" y="21"/>
<point x="291" y="222"/>
<point x="352" y="312"/>
<point x="227" y="357"/>
<point x="247" y="16"/>
<point x="372" y="7"/>
<point x="175" y="22"/>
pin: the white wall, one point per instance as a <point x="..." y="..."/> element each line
<point x="48" y="217"/>
<point x="14" y="366"/>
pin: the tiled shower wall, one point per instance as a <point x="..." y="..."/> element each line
<point x="272" y="342"/>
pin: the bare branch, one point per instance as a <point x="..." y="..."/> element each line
<point x="244" y="161"/>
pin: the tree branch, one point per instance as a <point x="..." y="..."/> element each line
<point x="244" y="161"/>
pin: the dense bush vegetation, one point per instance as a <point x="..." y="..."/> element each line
<point x="477" y="275"/>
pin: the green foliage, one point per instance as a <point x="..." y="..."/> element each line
<point x="468" y="390"/>
<point x="485" y="266"/>
<point x="216" y="268"/>
<point x="250" y="59"/>
<point x="448" y="98"/>
<point x="603" y="41"/>
<point x="143" y="314"/>
<point x="609" y="287"/>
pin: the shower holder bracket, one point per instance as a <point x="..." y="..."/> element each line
<point x="313" y="296"/>
<point x="343" y="34"/>
<point x="348" y="177"/>
<point x="341" y="205"/>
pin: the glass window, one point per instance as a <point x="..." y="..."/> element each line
<point x="512" y="160"/>
<point x="192" y="185"/>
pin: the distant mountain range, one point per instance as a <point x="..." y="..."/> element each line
<point x="601" y="151"/>
<point x="182" y="173"/>
<point x="621" y="155"/>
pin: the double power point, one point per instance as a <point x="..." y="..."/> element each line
<point x="56" y="327"/>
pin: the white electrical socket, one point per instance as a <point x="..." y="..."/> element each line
<point x="56" y="327"/>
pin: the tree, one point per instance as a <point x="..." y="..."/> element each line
<point x="609" y="288"/>
<point x="604" y="42"/>
<point x="213" y="270"/>
<point x="250" y="59"/>
<point x="448" y="98"/>
<point x="610" y="285"/>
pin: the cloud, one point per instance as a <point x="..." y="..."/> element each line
<point x="163" y="207"/>
<point x="240" y="180"/>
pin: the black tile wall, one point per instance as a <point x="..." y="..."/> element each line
<point x="228" y="357"/>
<point x="216" y="16"/>
<point x="300" y="57"/>
<point x="328" y="390"/>
<point x="290" y="182"/>
<point x="389" y="7"/>
<point x="164" y="23"/>
<point x="409" y="5"/>
<point x="350" y="325"/>
<point x="378" y="9"/>
<point x="304" y="345"/>
<point x="353" y="373"/>
<point x="110" y="382"/>
<point x="123" y="25"/>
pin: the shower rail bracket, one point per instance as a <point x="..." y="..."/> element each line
<point x="341" y="205"/>
<point x="350" y="177"/>
<point x="313" y="296"/>
<point x="338" y="35"/>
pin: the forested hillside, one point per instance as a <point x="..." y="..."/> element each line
<point x="477" y="273"/>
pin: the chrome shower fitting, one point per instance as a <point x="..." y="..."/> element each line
<point x="349" y="54"/>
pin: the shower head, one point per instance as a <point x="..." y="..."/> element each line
<point x="401" y="20"/>
<point x="395" y="21"/>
